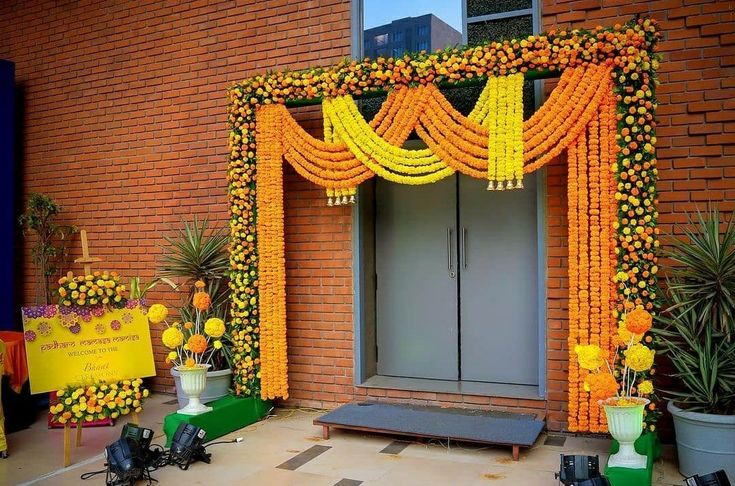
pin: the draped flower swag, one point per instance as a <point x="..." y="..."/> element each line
<point x="600" y="114"/>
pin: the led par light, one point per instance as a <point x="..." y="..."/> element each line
<point x="186" y="446"/>
<point x="124" y="467"/>
<point x="140" y="435"/>
<point x="718" y="478"/>
<point x="574" y="469"/>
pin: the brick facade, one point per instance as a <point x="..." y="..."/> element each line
<point x="124" y="124"/>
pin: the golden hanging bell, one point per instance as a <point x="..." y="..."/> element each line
<point x="519" y="184"/>
<point x="491" y="186"/>
<point x="330" y="202"/>
<point x="352" y="199"/>
<point x="509" y="185"/>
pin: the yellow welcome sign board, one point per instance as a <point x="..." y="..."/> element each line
<point x="68" y="346"/>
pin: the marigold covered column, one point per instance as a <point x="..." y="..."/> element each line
<point x="272" y="260"/>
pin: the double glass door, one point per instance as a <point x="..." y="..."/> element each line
<point x="457" y="281"/>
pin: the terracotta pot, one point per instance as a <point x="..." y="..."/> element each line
<point x="625" y="425"/>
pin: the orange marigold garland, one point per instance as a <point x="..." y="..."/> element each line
<point x="272" y="266"/>
<point x="573" y="263"/>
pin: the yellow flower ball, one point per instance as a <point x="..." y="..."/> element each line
<point x="172" y="338"/>
<point x="157" y="313"/>
<point x="173" y="355"/>
<point x="645" y="387"/>
<point x="589" y="357"/>
<point x="217" y="344"/>
<point x="639" y="357"/>
<point x="214" y="327"/>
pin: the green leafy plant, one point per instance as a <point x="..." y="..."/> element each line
<point x="193" y="255"/>
<point x="704" y="275"/>
<point x="50" y="248"/>
<point x="198" y="254"/>
<point x="704" y="360"/>
<point x="138" y="289"/>
<point x="696" y="326"/>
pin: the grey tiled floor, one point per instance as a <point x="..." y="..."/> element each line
<point x="346" y="459"/>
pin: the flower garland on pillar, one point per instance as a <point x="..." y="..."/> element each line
<point x="272" y="266"/>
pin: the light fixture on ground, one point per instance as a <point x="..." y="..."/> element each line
<point x="186" y="446"/>
<point x="574" y="469"/>
<point x="718" y="478"/>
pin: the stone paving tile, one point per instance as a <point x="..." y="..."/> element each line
<point x="355" y="458"/>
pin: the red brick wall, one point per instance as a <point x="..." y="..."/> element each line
<point x="696" y="131"/>
<point x="124" y="125"/>
<point x="125" y="108"/>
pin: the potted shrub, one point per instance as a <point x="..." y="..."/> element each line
<point x="192" y="346"/>
<point x="622" y="395"/>
<point x="193" y="256"/>
<point x="697" y="335"/>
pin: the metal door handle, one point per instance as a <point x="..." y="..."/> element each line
<point x="464" y="248"/>
<point x="449" y="249"/>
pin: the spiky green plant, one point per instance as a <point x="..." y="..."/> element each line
<point x="198" y="254"/>
<point x="696" y="325"/>
<point x="703" y="359"/>
<point x="704" y="275"/>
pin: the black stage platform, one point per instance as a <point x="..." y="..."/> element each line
<point x="462" y="425"/>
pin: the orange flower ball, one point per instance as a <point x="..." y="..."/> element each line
<point x="638" y="321"/>
<point x="601" y="385"/>
<point x="197" y="343"/>
<point x="202" y="301"/>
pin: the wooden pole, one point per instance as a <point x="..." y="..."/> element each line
<point x="86" y="260"/>
<point x="67" y="444"/>
<point x="79" y="433"/>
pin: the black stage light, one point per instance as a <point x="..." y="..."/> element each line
<point x="124" y="466"/>
<point x="186" y="446"/>
<point x="578" y="468"/>
<point x="718" y="478"/>
<point x="598" y="481"/>
<point x="140" y="435"/>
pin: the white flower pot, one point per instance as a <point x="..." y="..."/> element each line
<point x="625" y="425"/>
<point x="193" y="382"/>
<point x="218" y="385"/>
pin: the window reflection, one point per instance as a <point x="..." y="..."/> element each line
<point x="394" y="28"/>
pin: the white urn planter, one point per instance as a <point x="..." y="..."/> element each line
<point x="624" y="423"/>
<point x="193" y="382"/>
<point x="219" y="383"/>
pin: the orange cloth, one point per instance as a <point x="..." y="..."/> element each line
<point x="15" y="364"/>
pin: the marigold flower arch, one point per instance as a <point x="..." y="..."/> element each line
<point x="601" y="114"/>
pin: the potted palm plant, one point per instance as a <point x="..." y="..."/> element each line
<point x="197" y="261"/>
<point x="697" y="334"/>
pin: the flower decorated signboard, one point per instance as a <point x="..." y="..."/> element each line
<point x="600" y="118"/>
<point x="80" y="342"/>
